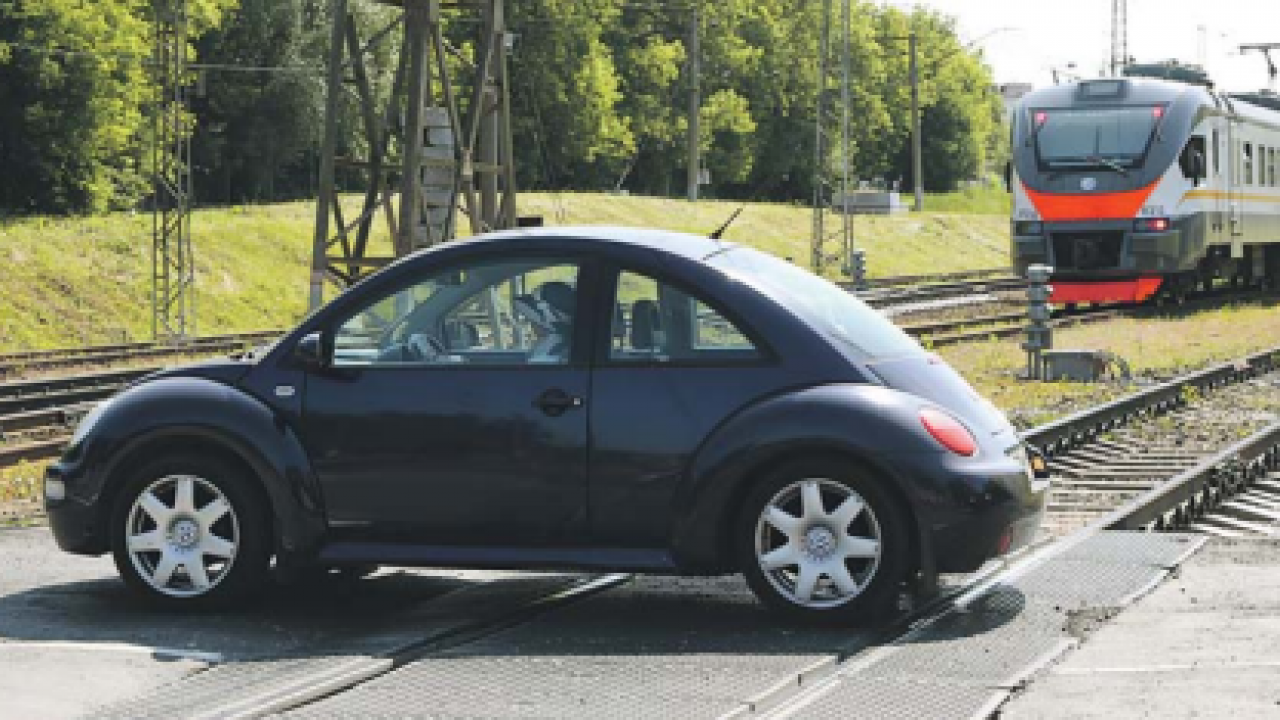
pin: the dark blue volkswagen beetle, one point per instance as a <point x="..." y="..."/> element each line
<point x="591" y="398"/>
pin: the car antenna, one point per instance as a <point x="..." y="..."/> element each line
<point x="720" y="233"/>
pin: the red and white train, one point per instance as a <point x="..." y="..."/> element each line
<point x="1133" y="187"/>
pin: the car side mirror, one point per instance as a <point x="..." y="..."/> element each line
<point x="310" y="351"/>
<point x="1008" y="176"/>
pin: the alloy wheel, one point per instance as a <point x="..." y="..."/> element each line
<point x="182" y="535"/>
<point x="815" y="557"/>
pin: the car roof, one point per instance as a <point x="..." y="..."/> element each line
<point x="695" y="247"/>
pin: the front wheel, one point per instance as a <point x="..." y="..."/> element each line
<point x="820" y="541"/>
<point x="191" y="531"/>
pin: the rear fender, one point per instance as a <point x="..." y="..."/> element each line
<point x="865" y="423"/>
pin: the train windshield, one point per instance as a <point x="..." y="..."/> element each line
<point x="1114" y="137"/>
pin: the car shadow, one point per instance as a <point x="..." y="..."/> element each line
<point x="649" y="615"/>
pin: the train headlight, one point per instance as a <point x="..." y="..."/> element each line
<point x="1028" y="227"/>
<point x="1151" y="225"/>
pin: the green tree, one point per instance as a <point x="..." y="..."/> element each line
<point x="74" y="94"/>
<point x="568" y="129"/>
<point x="263" y="103"/>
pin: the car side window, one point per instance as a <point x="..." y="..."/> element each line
<point x="657" y="322"/>
<point x="509" y="312"/>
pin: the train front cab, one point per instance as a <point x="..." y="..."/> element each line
<point x="1128" y="188"/>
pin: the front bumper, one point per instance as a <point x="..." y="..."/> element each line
<point x="76" y="522"/>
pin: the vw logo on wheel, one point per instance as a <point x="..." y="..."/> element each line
<point x="1088" y="184"/>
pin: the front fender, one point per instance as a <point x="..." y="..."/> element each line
<point x="202" y="411"/>
<point x="872" y="424"/>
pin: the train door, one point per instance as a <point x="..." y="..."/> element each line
<point x="1221" y="156"/>
<point x="1235" y="186"/>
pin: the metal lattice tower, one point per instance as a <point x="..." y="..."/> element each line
<point x="832" y="240"/>
<point x="440" y="142"/>
<point x="172" y="265"/>
<point x="1119" y="36"/>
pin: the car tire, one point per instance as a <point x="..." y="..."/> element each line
<point x="192" y="531"/>
<point x="812" y="558"/>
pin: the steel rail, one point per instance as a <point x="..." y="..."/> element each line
<point x="33" y="451"/>
<point x="20" y="355"/>
<point x="1176" y="502"/>
<point x="14" y="363"/>
<point x="898" y="280"/>
<point x="930" y="332"/>
<point x="1080" y="427"/>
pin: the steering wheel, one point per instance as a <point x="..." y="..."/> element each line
<point x="423" y="347"/>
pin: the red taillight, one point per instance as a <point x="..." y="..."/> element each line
<point x="949" y="432"/>
<point x="1151" y="225"/>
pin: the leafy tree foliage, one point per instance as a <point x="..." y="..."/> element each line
<point x="74" y="88"/>
<point x="261" y="103"/>
<point x="600" y="97"/>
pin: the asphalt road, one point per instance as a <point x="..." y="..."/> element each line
<point x="73" y="638"/>
<point x="74" y="641"/>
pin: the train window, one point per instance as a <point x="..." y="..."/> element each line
<point x="1248" y="164"/>
<point x="1271" y="166"/>
<point x="1104" y="137"/>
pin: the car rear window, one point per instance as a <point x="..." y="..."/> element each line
<point x="823" y="304"/>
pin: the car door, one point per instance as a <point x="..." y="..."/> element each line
<point x="454" y="409"/>
<point x="674" y="366"/>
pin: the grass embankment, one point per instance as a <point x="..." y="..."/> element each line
<point x="1156" y="347"/>
<point x="78" y="281"/>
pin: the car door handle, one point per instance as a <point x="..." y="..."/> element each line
<point x="555" y="402"/>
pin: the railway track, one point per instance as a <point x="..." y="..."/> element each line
<point x="922" y="298"/>
<point x="37" y="416"/>
<point x="941" y="333"/>
<point x="14" y="364"/>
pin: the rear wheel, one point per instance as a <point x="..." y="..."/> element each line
<point x="822" y="542"/>
<point x="191" y="531"/>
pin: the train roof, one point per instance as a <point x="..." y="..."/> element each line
<point x="1260" y="107"/>
<point x="1137" y="90"/>
<point x="1247" y="107"/>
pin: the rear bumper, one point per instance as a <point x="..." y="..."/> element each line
<point x="989" y="515"/>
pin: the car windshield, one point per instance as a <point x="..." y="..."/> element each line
<point x="1093" y="137"/>
<point x="821" y="303"/>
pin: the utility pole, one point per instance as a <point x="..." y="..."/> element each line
<point x="1119" y="36"/>
<point x="172" y="264"/>
<point x="441" y="144"/>
<point x="917" y="150"/>
<point x="695" y="103"/>
<point x="832" y="238"/>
